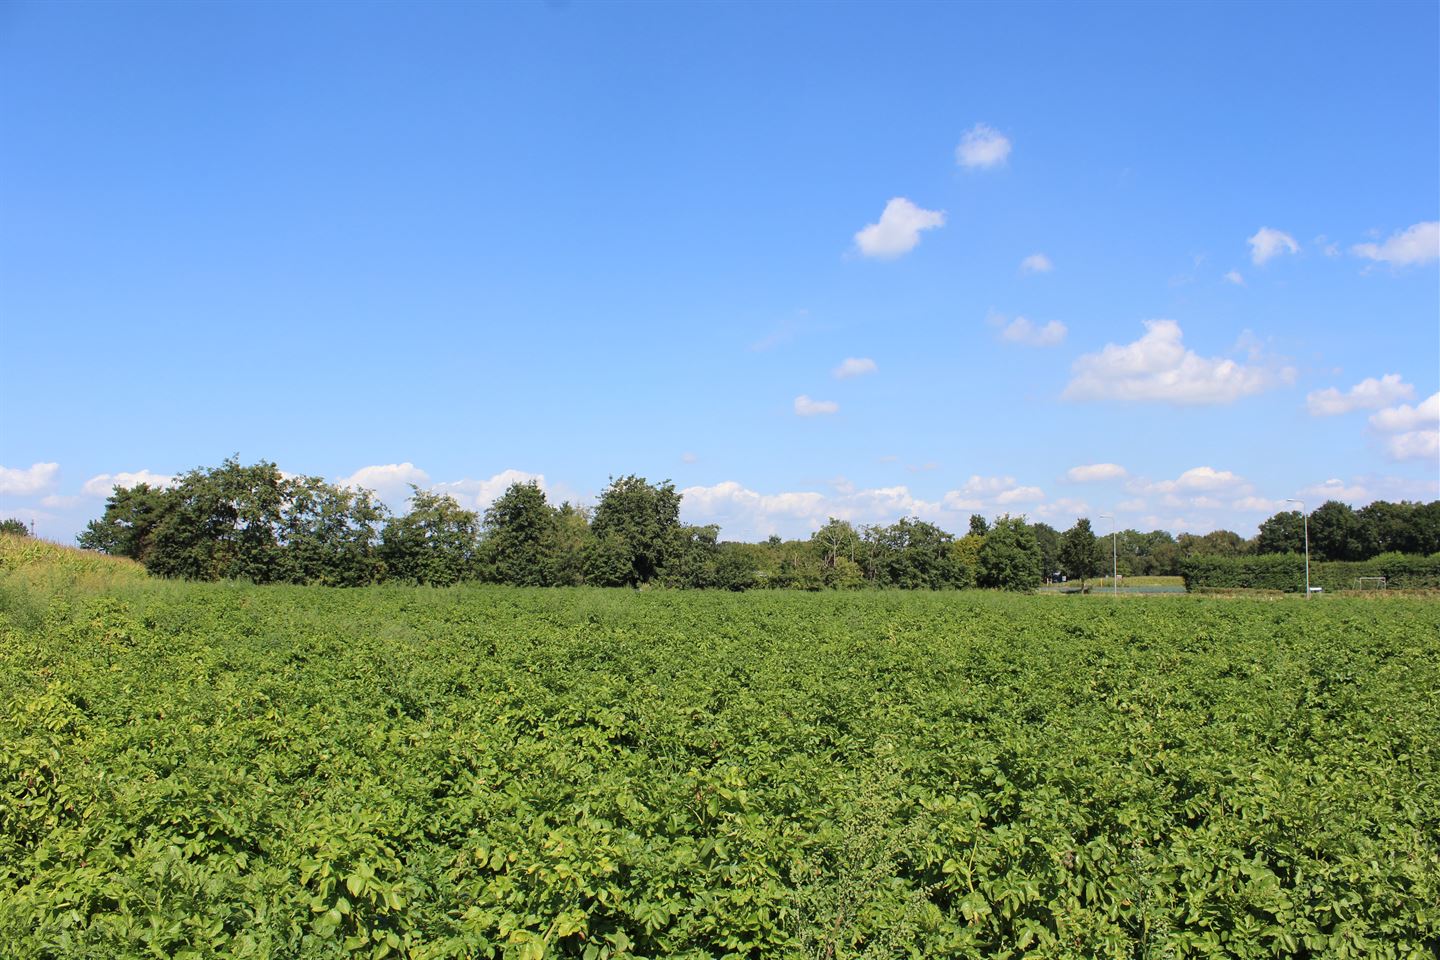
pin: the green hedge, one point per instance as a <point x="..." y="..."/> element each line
<point x="1286" y="571"/>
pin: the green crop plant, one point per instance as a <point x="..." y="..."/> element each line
<point x="220" y="770"/>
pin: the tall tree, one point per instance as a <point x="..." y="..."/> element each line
<point x="643" y="518"/>
<point x="437" y="542"/>
<point x="519" y="533"/>
<point x="128" y="523"/>
<point x="222" y="523"/>
<point x="1282" y="533"/>
<point x="330" y="534"/>
<point x="1047" y="539"/>
<point x="1010" y="558"/>
<point x="1335" y="532"/>
<point x="1080" y="552"/>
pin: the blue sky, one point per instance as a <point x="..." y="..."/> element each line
<point x="1174" y="262"/>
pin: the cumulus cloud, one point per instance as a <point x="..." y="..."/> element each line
<point x="1419" y="243"/>
<point x="104" y="484"/>
<point x="1413" y="432"/>
<point x="1268" y="243"/>
<point x="479" y="494"/>
<point x="1368" y="394"/>
<point x="386" y="480"/>
<point x="1094" y="472"/>
<point x="898" y="230"/>
<point x="749" y="514"/>
<point x="982" y="147"/>
<point x="28" y="481"/>
<point x="1203" y="478"/>
<point x="1158" y="367"/>
<point x="1253" y="504"/>
<point x="805" y="407"/>
<point x="854" y="367"/>
<point x="1335" y="489"/>
<point x="1019" y="495"/>
<point x="1234" y="277"/>
<point x="1024" y="331"/>
<point x="1036" y="263"/>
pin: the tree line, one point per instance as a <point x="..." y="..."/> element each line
<point x="255" y="523"/>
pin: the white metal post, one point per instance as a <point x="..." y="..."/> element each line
<point x="1114" y="557"/>
<point x="1305" y="521"/>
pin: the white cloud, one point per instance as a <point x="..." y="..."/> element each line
<point x="105" y="484"/>
<point x="37" y="478"/>
<point x="1094" y="472"/>
<point x="1158" y="367"/>
<point x="748" y="514"/>
<point x="898" y="231"/>
<point x="1414" y="432"/>
<point x="805" y="407"/>
<point x="1063" y="510"/>
<point x="1419" y="243"/>
<point x="688" y="457"/>
<point x="1258" y="505"/>
<point x="479" y="494"/>
<point x="1405" y="417"/>
<point x="387" y="480"/>
<point x="1024" y="331"/>
<point x="1197" y="487"/>
<point x="982" y="147"/>
<point x="1268" y="243"/>
<point x="854" y="367"/>
<point x="1204" y="478"/>
<point x="1368" y="394"/>
<point x="1036" y="263"/>
<point x="1414" y="445"/>
<point x="1020" y="495"/>
<point x="1332" y="489"/>
<point x="1234" y="277"/>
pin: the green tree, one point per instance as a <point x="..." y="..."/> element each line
<point x="1216" y="543"/>
<point x="644" y="518"/>
<point x="126" y="527"/>
<point x="565" y="551"/>
<point x="1080" y="552"/>
<point x="1282" y="533"/>
<point x="978" y="525"/>
<point x="330" y="534"/>
<point x="1047" y="539"/>
<point x="520" y="535"/>
<point x="917" y="555"/>
<point x="220" y="524"/>
<point x="1335" y="532"/>
<point x="607" y="561"/>
<point x="437" y="542"/>
<point x="1010" y="558"/>
<point x="15" y="528"/>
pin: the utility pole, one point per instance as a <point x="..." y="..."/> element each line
<point x="1305" y="520"/>
<point x="1114" y="557"/>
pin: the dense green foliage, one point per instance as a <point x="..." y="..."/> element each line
<point x="255" y="523"/>
<point x="1286" y="572"/>
<point x="195" y="770"/>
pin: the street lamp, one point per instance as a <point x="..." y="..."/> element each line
<point x="1306" y="520"/>
<point x="1114" y="557"/>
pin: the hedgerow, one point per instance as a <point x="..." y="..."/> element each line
<point x="205" y="770"/>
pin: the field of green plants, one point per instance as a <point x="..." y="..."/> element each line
<point x="218" y="770"/>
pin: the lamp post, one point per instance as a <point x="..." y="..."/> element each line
<point x="1305" y="519"/>
<point x="1114" y="557"/>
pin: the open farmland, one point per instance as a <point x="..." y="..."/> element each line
<point x="195" y="770"/>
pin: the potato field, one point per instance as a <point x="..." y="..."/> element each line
<point x="196" y="770"/>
